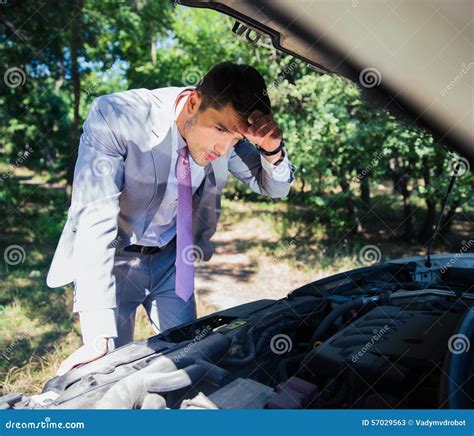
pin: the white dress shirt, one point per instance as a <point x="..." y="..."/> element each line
<point x="162" y="227"/>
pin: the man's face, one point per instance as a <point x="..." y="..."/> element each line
<point x="210" y="134"/>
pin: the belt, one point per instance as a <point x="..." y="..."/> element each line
<point x="143" y="249"/>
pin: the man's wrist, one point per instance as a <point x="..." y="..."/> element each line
<point x="277" y="158"/>
<point x="273" y="152"/>
<point x="101" y="343"/>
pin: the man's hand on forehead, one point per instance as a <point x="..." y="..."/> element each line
<point x="261" y="129"/>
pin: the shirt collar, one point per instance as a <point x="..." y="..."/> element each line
<point x="181" y="141"/>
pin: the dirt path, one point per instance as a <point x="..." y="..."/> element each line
<point x="238" y="271"/>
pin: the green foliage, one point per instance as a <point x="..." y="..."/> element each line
<point x="337" y="140"/>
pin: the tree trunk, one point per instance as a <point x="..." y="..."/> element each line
<point x="153" y="48"/>
<point x="365" y="190"/>
<point x="448" y="217"/>
<point x="400" y="184"/>
<point x="62" y="77"/>
<point x="352" y="209"/>
<point x="426" y="230"/>
<point x="76" y="46"/>
<point x="320" y="183"/>
<point x="303" y="183"/>
<point x="407" y="217"/>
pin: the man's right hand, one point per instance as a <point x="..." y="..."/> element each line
<point x="87" y="353"/>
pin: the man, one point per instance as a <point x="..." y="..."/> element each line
<point x="146" y="198"/>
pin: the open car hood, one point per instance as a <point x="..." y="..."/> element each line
<point x="419" y="54"/>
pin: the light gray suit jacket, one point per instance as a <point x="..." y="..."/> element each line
<point x="120" y="178"/>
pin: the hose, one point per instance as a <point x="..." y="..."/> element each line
<point x="161" y="376"/>
<point x="268" y="326"/>
<point x="129" y="392"/>
<point x="282" y="368"/>
<point x="336" y="313"/>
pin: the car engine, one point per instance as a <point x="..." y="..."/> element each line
<point x="388" y="336"/>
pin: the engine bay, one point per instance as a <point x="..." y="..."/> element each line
<point x="387" y="336"/>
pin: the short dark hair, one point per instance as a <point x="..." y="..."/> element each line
<point x="240" y="85"/>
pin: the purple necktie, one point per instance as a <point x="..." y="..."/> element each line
<point x="184" y="229"/>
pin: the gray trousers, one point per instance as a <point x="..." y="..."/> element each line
<point x="148" y="279"/>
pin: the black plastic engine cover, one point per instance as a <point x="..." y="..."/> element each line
<point x="386" y="341"/>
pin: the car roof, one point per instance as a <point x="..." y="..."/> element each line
<point x="420" y="53"/>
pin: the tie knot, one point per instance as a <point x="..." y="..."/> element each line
<point x="183" y="151"/>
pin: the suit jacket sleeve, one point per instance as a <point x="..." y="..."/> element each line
<point x="97" y="185"/>
<point x="248" y="165"/>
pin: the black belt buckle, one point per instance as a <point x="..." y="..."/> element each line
<point x="149" y="250"/>
<point x="143" y="249"/>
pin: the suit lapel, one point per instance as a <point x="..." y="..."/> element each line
<point x="161" y="154"/>
<point x="161" y="145"/>
<point x="214" y="173"/>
